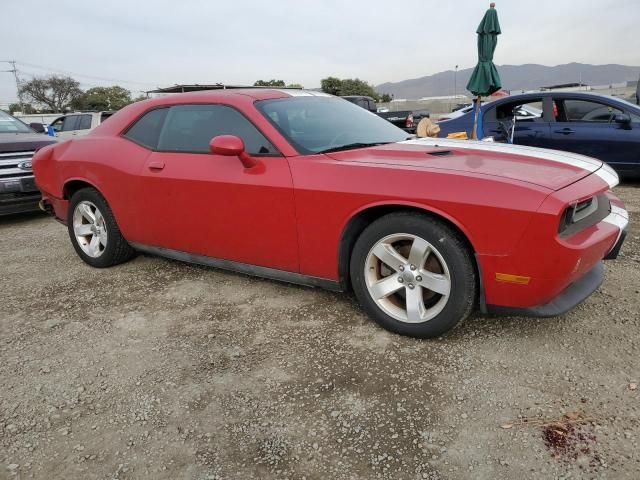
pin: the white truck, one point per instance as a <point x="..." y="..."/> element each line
<point x="77" y="123"/>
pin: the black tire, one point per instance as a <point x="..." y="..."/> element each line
<point x="453" y="249"/>
<point x="117" y="249"/>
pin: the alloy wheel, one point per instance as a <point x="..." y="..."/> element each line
<point x="407" y="277"/>
<point x="90" y="229"/>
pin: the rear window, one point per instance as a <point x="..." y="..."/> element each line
<point x="146" y="131"/>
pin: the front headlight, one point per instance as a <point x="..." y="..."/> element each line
<point x="583" y="214"/>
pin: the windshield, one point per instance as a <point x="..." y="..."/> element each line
<point x="8" y="124"/>
<point x="319" y="124"/>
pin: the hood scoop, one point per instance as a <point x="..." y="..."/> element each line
<point x="440" y="153"/>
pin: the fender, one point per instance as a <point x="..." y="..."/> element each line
<point x="417" y="205"/>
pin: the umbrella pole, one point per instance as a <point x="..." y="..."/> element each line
<point x="475" y="120"/>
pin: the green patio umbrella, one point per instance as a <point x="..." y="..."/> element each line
<point x="485" y="79"/>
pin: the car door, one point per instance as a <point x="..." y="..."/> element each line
<point x="83" y="125"/>
<point x="210" y="204"/>
<point x="65" y="127"/>
<point x="589" y="127"/>
<point x="530" y="129"/>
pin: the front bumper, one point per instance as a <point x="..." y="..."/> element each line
<point x="19" y="203"/>
<point x="18" y="195"/>
<point x="572" y="296"/>
<point x="557" y="272"/>
<point x="620" y="218"/>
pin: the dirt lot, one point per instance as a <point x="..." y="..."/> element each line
<point x="157" y="369"/>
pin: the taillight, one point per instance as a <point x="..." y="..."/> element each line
<point x="409" y="122"/>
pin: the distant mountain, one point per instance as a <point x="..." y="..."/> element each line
<point x="514" y="77"/>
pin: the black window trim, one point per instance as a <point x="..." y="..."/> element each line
<point x="123" y="133"/>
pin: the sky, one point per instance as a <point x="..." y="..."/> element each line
<point x="142" y="44"/>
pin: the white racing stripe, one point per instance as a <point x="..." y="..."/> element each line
<point x="618" y="217"/>
<point x="604" y="171"/>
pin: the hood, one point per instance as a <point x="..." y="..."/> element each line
<point x="23" y="142"/>
<point x="545" y="168"/>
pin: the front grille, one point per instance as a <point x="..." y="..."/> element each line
<point x="10" y="164"/>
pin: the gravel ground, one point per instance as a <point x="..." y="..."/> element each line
<point x="157" y="369"/>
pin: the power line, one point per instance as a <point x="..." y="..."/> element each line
<point x="92" y="77"/>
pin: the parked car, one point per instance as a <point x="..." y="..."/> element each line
<point x="18" y="142"/>
<point x="523" y="113"/>
<point x="638" y="92"/>
<point x="407" y="119"/>
<point x="363" y="101"/>
<point x="599" y="126"/>
<point x="307" y="188"/>
<point x="79" y="123"/>
<point x="38" y="121"/>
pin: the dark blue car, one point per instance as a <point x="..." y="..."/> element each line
<point x="602" y="127"/>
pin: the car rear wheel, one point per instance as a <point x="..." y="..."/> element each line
<point x="94" y="232"/>
<point x="413" y="275"/>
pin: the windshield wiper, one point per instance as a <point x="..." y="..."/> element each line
<point x="352" y="146"/>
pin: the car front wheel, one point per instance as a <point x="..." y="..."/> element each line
<point x="414" y="275"/>
<point x="94" y="232"/>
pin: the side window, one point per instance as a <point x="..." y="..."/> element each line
<point x="84" y="123"/>
<point x="57" y="124"/>
<point x="70" y="123"/>
<point x="530" y="111"/>
<point x="189" y="128"/>
<point x="585" y="111"/>
<point x="146" y="130"/>
<point x="104" y="116"/>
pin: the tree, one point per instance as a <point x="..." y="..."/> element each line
<point x="25" y="108"/>
<point x="348" y="86"/>
<point x="295" y="85"/>
<point x="269" y="83"/>
<point x="331" y="85"/>
<point x="385" y="98"/>
<point x="55" y="93"/>
<point x="356" y="86"/>
<point x="103" y="98"/>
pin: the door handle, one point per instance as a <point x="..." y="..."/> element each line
<point x="156" y="165"/>
<point x="565" y="131"/>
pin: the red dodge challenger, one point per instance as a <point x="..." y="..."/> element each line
<point x="307" y="188"/>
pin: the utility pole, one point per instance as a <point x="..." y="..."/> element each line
<point x="14" y="70"/>
<point x="455" y="85"/>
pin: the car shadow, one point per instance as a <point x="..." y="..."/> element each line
<point x="19" y="218"/>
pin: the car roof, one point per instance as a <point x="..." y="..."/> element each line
<point x="556" y="94"/>
<point x="234" y="97"/>
<point x="255" y="93"/>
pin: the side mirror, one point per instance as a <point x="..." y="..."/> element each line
<point x="231" y="146"/>
<point x="38" y="127"/>
<point x="623" y="119"/>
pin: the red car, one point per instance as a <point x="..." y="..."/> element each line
<point x="307" y="188"/>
